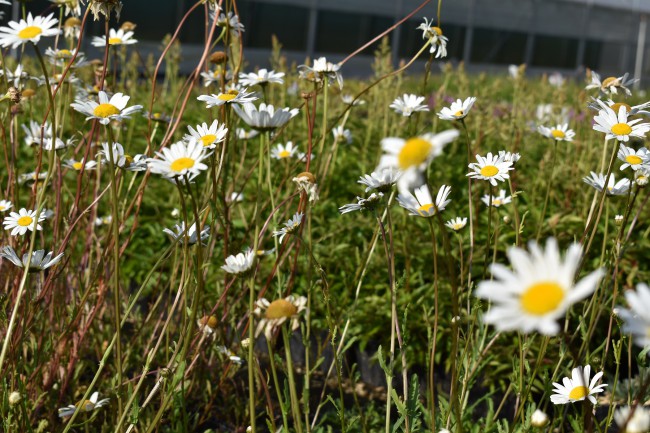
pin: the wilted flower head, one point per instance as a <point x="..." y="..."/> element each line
<point x="369" y="203"/>
<point x="274" y="314"/>
<point x="178" y="233"/>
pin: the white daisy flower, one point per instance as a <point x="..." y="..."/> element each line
<point x="40" y="261"/>
<point x="84" y="406"/>
<point x="232" y="96"/>
<point x="179" y="234"/>
<point x="556" y="79"/>
<point x="179" y="160"/>
<point x="408" y="104"/>
<point x="274" y="314"/>
<point x="5" y="205"/>
<point x="415" y="152"/>
<point x="29" y="178"/>
<point x="31" y="30"/>
<point x="635" y="159"/>
<point x="282" y="151"/>
<point x="240" y="263"/>
<point x="341" y="134"/>
<point x="78" y="165"/>
<point x="115" y="37"/>
<point x="578" y="387"/>
<point x="71" y="7"/>
<point x="231" y="21"/>
<point x="597" y="180"/>
<point x="382" y="180"/>
<point x="72" y="28"/>
<point x="636" y="320"/>
<point x="422" y="204"/>
<point x="17" y="76"/>
<point x="208" y="136"/>
<point x="497" y="201"/>
<point x="216" y="76"/>
<point x="306" y="183"/>
<point x="235" y="197"/>
<point x="33" y="135"/>
<point x="491" y="168"/>
<point x="23" y="220"/>
<point x="369" y="203"/>
<point x="242" y="134"/>
<point x="266" y="117"/>
<point x="350" y="100"/>
<point x="321" y="68"/>
<point x="207" y="325"/>
<point x="456" y="223"/>
<point x="560" y="132"/>
<point x="106" y="109"/>
<point x="261" y="77"/>
<point x="616" y="125"/>
<point x="434" y="34"/>
<point x="509" y="156"/>
<point x="611" y="85"/>
<point x="538" y="291"/>
<point x="632" y="110"/>
<point x="637" y="422"/>
<point x="457" y="110"/>
<point x="230" y="354"/>
<point x="513" y="71"/>
<point x="289" y="227"/>
<point x="642" y="175"/>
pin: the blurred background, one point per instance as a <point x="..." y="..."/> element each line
<point x="563" y="36"/>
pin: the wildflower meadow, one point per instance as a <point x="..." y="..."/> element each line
<point x="291" y="249"/>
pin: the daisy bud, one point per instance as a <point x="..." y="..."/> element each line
<point x="28" y="93"/>
<point x="245" y="343"/>
<point x="218" y="57"/>
<point x="641" y="178"/>
<point x="618" y="219"/>
<point x="506" y="219"/>
<point x="539" y="418"/>
<point x="14" y="398"/>
<point x="128" y="26"/>
<point x="72" y="22"/>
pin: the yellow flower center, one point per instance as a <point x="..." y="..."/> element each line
<point x="459" y="113"/>
<point x="496" y="202"/>
<point x="86" y="405"/>
<point x="542" y="298"/>
<point x="229" y="95"/>
<point x="616" y="107"/>
<point x="77" y="165"/>
<point x="24" y="221"/>
<point x="622" y="129"/>
<point x="556" y="133"/>
<point x="280" y="308"/>
<point x="64" y="53"/>
<point x="425" y="209"/>
<point x="458" y="226"/>
<point x="114" y="41"/>
<point x="182" y="164"/>
<point x="2" y="208"/>
<point x="578" y="393"/>
<point x="106" y="110"/>
<point x="437" y="30"/>
<point x="414" y="152"/>
<point x="610" y="81"/>
<point x="30" y="32"/>
<point x="209" y="321"/>
<point x="633" y="159"/>
<point x="284" y="154"/>
<point x="489" y="171"/>
<point x="208" y="139"/>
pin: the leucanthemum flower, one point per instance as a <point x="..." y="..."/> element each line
<point x="274" y="314"/>
<point x="261" y="77"/>
<point x="597" y="180"/>
<point x="578" y="387"/>
<point x="408" y="104"/>
<point x="509" y="156"/>
<point x="422" y="203"/>
<point x="240" y="263"/>
<point x="115" y="37"/>
<point x="498" y="200"/>
<point x="616" y="125"/>
<point x="457" y="223"/>
<point x="635" y="159"/>
<point x="632" y="110"/>
<point x="232" y="96"/>
<point x="381" y="180"/>
<point x="560" y="132"/>
<point x="369" y="203"/>
<point x="290" y="226"/>
<point x="538" y="290"/>
<point x="556" y="79"/>
<point x="31" y="177"/>
<point x="266" y="117"/>
<point x="207" y="325"/>
<point x="78" y="165"/>
<point x="70" y="7"/>
<point x="611" y="85"/>
<point x="242" y="134"/>
<point x="208" y="136"/>
<point x="320" y="69"/>
<point x="216" y="76"/>
<point x="17" y="76"/>
<point x="105" y="7"/>
<point x="636" y="320"/>
<point x="435" y="36"/>
<point x="492" y="168"/>
<point x="457" y="110"/>
<point x="23" y="220"/>
<point x="33" y="135"/>
<point x="230" y="355"/>
<point x="106" y="109"/>
<point x="181" y="160"/>
<point x="30" y="30"/>
<point x="341" y="134"/>
<point x="282" y="151"/>
<point x="179" y="234"/>
<point x="84" y="406"/>
<point x="230" y="21"/>
<point x="415" y="152"/>
<point x="350" y="100"/>
<point x="306" y="183"/>
<point x="5" y="205"/>
<point x="637" y="422"/>
<point x="40" y="261"/>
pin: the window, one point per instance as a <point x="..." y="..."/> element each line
<point x="496" y="46"/>
<point x="262" y="21"/>
<point x="340" y="32"/>
<point x="554" y="51"/>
